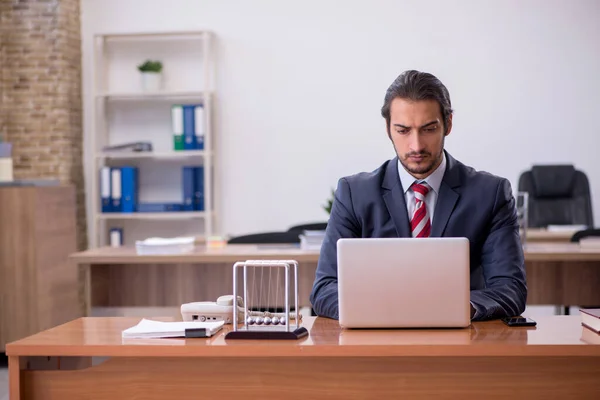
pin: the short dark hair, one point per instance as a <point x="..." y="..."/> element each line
<point x="416" y="85"/>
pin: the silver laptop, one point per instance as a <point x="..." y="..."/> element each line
<point x="403" y="283"/>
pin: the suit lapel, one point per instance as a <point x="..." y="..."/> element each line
<point x="394" y="199"/>
<point x="447" y="197"/>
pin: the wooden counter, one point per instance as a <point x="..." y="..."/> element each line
<point x="557" y="274"/>
<point x="557" y="359"/>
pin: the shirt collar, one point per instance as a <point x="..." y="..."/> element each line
<point x="434" y="180"/>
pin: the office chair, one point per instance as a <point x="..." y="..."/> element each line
<point x="577" y="236"/>
<point x="290" y="237"/>
<point x="558" y="195"/>
<point x="315" y="226"/>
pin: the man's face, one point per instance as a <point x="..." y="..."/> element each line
<point x="417" y="131"/>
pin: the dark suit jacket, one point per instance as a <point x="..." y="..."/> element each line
<point x="471" y="204"/>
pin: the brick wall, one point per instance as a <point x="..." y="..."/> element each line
<point x="41" y="93"/>
<point x="3" y="32"/>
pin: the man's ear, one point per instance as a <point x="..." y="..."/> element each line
<point x="448" y="125"/>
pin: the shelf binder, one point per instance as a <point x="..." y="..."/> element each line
<point x="129" y="189"/>
<point x="199" y="188"/>
<point x="188" y="188"/>
<point x="199" y="126"/>
<point x="177" y="126"/>
<point x="105" y="189"/>
<point x="189" y="127"/>
<point x="115" y="184"/>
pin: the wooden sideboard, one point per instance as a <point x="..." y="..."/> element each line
<point x="38" y="286"/>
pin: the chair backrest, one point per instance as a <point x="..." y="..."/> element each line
<point x="577" y="236"/>
<point x="266" y="238"/>
<point x="315" y="226"/>
<point x="558" y="195"/>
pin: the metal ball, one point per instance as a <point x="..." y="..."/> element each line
<point x="250" y="321"/>
<point x="259" y="320"/>
<point x="275" y="321"/>
<point x="267" y="321"/>
<point x="282" y="321"/>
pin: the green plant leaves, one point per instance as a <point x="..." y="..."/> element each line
<point x="329" y="204"/>
<point x="150" y="66"/>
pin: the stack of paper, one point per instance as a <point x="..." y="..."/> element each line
<point x="312" y="240"/>
<point x="165" y="246"/>
<point x="566" y="228"/>
<point x="149" y="329"/>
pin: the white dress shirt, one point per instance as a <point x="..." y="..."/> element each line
<point x="434" y="180"/>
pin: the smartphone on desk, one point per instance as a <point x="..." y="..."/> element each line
<point x="519" y="321"/>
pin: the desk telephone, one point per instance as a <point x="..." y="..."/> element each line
<point x="222" y="310"/>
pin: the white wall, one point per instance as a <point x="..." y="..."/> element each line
<point x="300" y="86"/>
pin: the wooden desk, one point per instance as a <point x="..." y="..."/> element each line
<point x="535" y="235"/>
<point x="562" y="274"/>
<point x="486" y="360"/>
<point x="557" y="274"/>
<point x="560" y="252"/>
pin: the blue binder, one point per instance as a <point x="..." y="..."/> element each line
<point x="189" y="127"/>
<point x="199" y="188"/>
<point x="199" y="126"/>
<point x="188" y="188"/>
<point x="129" y="189"/>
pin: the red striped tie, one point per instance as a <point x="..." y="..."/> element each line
<point x="420" y="224"/>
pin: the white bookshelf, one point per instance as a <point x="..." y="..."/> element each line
<point x="153" y="154"/>
<point x="175" y="215"/>
<point x="161" y="96"/>
<point x="125" y="113"/>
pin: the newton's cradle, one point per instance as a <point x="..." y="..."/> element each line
<point x="266" y="300"/>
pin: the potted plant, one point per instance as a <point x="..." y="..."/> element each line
<point x="151" y="75"/>
<point x="329" y="204"/>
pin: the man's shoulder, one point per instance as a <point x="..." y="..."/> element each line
<point x="374" y="177"/>
<point x="473" y="177"/>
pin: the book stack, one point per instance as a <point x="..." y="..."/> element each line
<point x="187" y="121"/>
<point x="590" y="320"/>
<point x="311" y="240"/>
<point x="119" y="191"/>
<point x="165" y="246"/>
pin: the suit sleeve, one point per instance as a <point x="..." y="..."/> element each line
<point x="503" y="263"/>
<point x="342" y="224"/>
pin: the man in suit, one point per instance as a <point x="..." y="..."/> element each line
<point x="425" y="192"/>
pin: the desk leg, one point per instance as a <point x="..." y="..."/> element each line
<point x="15" y="365"/>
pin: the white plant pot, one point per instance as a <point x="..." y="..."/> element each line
<point x="151" y="81"/>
